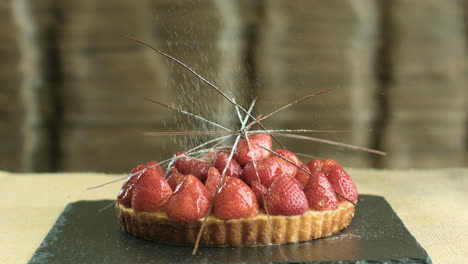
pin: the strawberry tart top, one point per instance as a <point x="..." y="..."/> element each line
<point x="255" y="179"/>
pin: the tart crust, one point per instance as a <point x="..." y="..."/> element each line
<point x="251" y="231"/>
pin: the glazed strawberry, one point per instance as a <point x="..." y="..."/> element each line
<point x="264" y="170"/>
<point x="285" y="197"/>
<point x="315" y="165"/>
<point x="151" y="192"/>
<point x="126" y="192"/>
<point x="342" y="183"/>
<point x="260" y="192"/>
<point x="212" y="181"/>
<point x="235" y="200"/>
<point x="188" y="165"/>
<point x="233" y="170"/>
<point x="190" y="202"/>
<point x="303" y="177"/>
<point x="210" y="156"/>
<point x="244" y="153"/>
<point x="320" y="193"/>
<point x="155" y="166"/>
<point x="285" y="167"/>
<point x="327" y="164"/>
<point x="175" y="178"/>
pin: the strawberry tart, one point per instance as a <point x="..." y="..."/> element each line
<point x="259" y="197"/>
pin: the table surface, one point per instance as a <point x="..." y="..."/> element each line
<point x="430" y="202"/>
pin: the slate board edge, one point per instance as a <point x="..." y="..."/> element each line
<point x="428" y="260"/>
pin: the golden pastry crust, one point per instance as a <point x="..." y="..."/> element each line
<point x="251" y="231"/>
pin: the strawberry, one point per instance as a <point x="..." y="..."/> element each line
<point x="235" y="200"/>
<point x="285" y="167"/>
<point x="233" y="170"/>
<point x="315" y="165"/>
<point x="155" y="166"/>
<point x="151" y="192"/>
<point x="212" y="181"/>
<point x="188" y="165"/>
<point x="320" y="193"/>
<point x="126" y="192"/>
<point x="190" y="201"/>
<point x="244" y="153"/>
<point x="342" y="183"/>
<point x="210" y="156"/>
<point x="175" y="178"/>
<point x="303" y="177"/>
<point x="260" y="191"/>
<point x="285" y="197"/>
<point x="327" y="164"/>
<point x="266" y="171"/>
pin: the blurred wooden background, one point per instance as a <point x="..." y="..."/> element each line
<point x="72" y="87"/>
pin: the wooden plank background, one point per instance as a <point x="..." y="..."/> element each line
<point x="72" y="86"/>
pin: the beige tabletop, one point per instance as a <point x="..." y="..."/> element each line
<point x="430" y="203"/>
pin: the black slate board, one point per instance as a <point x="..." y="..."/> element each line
<point x="82" y="234"/>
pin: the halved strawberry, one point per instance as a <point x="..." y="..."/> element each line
<point x="235" y="200"/>
<point x="188" y="165"/>
<point x="260" y="192"/>
<point x="190" y="202"/>
<point x="263" y="170"/>
<point x="327" y="164"/>
<point x="315" y="165"/>
<point x="233" y="170"/>
<point x="285" y="166"/>
<point x="285" y="197"/>
<point x="303" y="177"/>
<point x="320" y="193"/>
<point x="244" y="153"/>
<point x="175" y="178"/>
<point x="342" y="183"/>
<point x="151" y="192"/>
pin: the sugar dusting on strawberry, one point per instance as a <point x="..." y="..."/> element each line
<point x="320" y="193"/>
